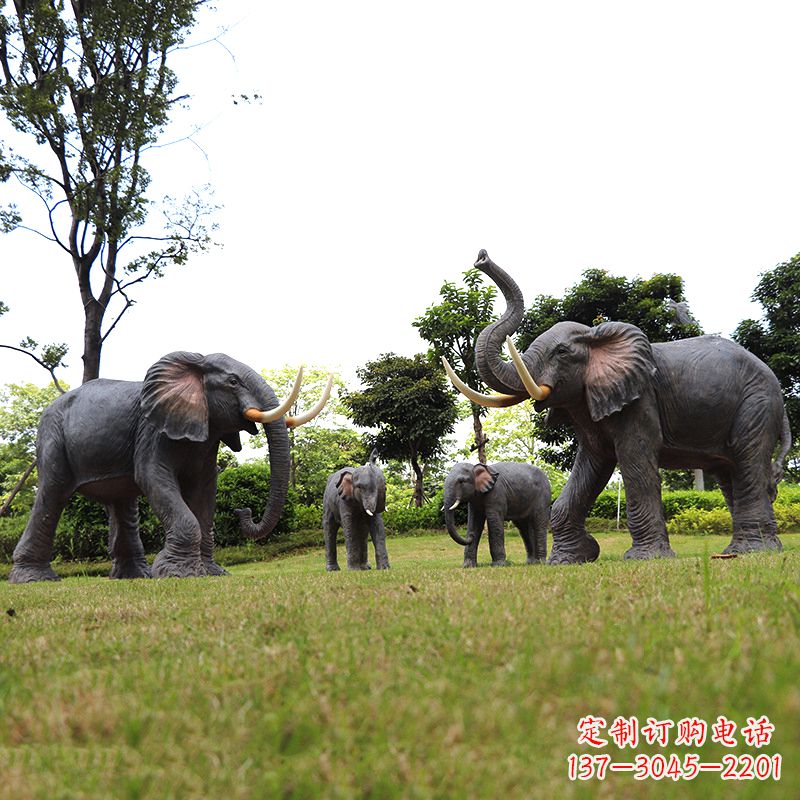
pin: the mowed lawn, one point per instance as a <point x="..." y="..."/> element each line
<point x="426" y="681"/>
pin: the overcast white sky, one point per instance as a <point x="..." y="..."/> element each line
<point x="393" y="141"/>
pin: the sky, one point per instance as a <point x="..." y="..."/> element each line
<point x="391" y="142"/>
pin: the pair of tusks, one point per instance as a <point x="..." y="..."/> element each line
<point x="500" y="400"/>
<point x="264" y="417"/>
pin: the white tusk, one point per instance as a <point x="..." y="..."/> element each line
<point x="256" y="415"/>
<point x="534" y="390"/>
<point x="368" y="512"/>
<point x="491" y="400"/>
<point x="454" y="506"/>
<point x="301" y="419"/>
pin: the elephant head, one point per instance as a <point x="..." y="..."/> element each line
<point x="462" y="483"/>
<point x="211" y="398"/>
<point x="605" y="367"/>
<point x="365" y="486"/>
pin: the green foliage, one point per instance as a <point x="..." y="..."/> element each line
<point x="701" y="522"/>
<point x="407" y="403"/>
<point x="775" y="339"/>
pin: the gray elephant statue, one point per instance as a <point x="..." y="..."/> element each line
<point x="698" y="403"/>
<point x="494" y="493"/>
<point x="115" y="440"/>
<point x="355" y="499"/>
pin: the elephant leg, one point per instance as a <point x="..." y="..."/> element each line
<point x="202" y="501"/>
<point x="330" y="529"/>
<point x="639" y="468"/>
<point x="497" y="538"/>
<point x="378" y="534"/>
<point x="124" y="542"/>
<point x="534" y="536"/>
<point x="475" y="522"/>
<point x="754" y="525"/>
<point x="180" y="557"/>
<point x="34" y="550"/>
<point x="571" y="543"/>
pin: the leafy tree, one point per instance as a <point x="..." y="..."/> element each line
<point x="88" y="83"/>
<point x="21" y="406"/>
<point x="599" y="296"/>
<point x="452" y="326"/>
<point x="775" y="339"/>
<point x="411" y="409"/>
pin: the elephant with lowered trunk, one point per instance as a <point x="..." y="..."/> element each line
<point x="494" y="493"/>
<point x="700" y="403"/>
<point x="115" y="440"/>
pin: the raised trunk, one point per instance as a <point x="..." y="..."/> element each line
<point x="450" y="522"/>
<point x="494" y="371"/>
<point x="278" y="444"/>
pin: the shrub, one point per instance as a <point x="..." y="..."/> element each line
<point x="700" y="522"/>
<point x="788" y="517"/>
<point x="675" y="502"/>
<point x="788" y="494"/>
<point x="11" y="529"/>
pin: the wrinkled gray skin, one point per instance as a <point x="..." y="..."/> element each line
<point x="495" y="493"/>
<point x="115" y="440"/>
<point x="699" y="403"/>
<point x="355" y="499"/>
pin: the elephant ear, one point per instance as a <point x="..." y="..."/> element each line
<point x="173" y="397"/>
<point x="620" y="368"/>
<point x="380" y="505"/>
<point x="485" y="477"/>
<point x="344" y="485"/>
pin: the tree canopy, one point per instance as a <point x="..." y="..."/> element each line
<point x="451" y="328"/>
<point x="405" y="400"/>
<point x="775" y="339"/>
<point x="88" y="84"/>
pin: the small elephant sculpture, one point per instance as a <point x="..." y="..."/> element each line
<point x="115" y="440"/>
<point x="497" y="492"/>
<point x="355" y="499"/>
<point x="698" y="403"/>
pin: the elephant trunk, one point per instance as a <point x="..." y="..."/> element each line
<point x="450" y="522"/>
<point x="278" y="444"/>
<point x="494" y="371"/>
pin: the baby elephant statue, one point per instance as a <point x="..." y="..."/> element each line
<point x="355" y="499"/>
<point x="495" y="493"/>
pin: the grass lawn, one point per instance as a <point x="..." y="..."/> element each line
<point x="426" y="681"/>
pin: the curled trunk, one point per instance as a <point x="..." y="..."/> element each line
<point x="450" y="521"/>
<point x="494" y="371"/>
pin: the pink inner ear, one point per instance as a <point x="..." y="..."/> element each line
<point x="483" y="479"/>
<point x="346" y="486"/>
<point x="608" y="361"/>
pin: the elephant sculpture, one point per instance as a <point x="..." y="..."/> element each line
<point x="115" y="440"/>
<point x="355" y="499"/>
<point x="494" y="493"/>
<point x="699" y="403"/>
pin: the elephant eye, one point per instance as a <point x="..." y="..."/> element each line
<point x="233" y="381"/>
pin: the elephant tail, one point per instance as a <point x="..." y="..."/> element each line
<point x="786" y="443"/>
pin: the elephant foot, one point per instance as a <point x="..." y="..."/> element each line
<point x="383" y="565"/>
<point x="535" y="560"/>
<point x="167" y="565"/>
<point x="469" y="563"/>
<point x="128" y="570"/>
<point x="332" y="567"/>
<point x="739" y="545"/>
<point x="577" y="551"/>
<point x="641" y="552"/>
<point x="358" y="567"/>
<point x="29" y="573"/>
<point x="500" y="562"/>
<point x="214" y="569"/>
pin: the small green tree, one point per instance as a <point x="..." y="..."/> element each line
<point x="451" y="327"/>
<point x="87" y="83"/>
<point x="775" y="339"/>
<point x="405" y="400"/>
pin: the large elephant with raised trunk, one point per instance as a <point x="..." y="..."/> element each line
<point x="494" y="493"/>
<point x="115" y="440"/>
<point x="701" y="403"/>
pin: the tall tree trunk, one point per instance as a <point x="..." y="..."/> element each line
<point x="480" y="439"/>
<point x="699" y="481"/>
<point x="419" y="494"/>
<point x="92" y="340"/>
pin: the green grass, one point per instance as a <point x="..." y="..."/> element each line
<point x="426" y="681"/>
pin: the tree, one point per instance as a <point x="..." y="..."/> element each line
<point x="21" y="406"/>
<point x="408" y="404"/>
<point x="599" y="296"/>
<point x="90" y="86"/>
<point x="451" y="327"/>
<point x="775" y="339"/>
